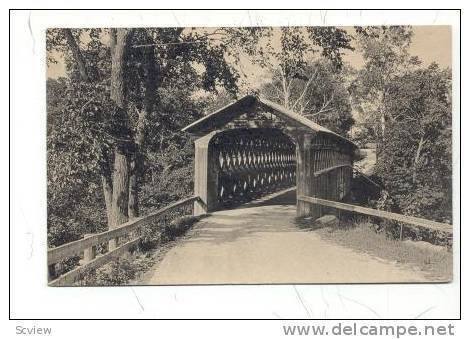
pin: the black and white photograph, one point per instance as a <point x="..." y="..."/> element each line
<point x="249" y="155"/>
<point x="236" y="173"/>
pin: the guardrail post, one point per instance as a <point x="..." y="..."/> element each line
<point x="113" y="244"/>
<point x="89" y="253"/>
<point x="305" y="164"/>
<point x="205" y="175"/>
<point x="51" y="272"/>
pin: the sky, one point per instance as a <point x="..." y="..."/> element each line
<point x="429" y="43"/>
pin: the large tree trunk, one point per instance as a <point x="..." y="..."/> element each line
<point x="150" y="74"/>
<point x="77" y="54"/>
<point x="108" y="196"/>
<point x="285" y="88"/>
<point x="133" y="201"/>
<point x="136" y="163"/>
<point x="115" y="188"/>
<point x="106" y="179"/>
<point x="120" y="197"/>
<point x="120" y="188"/>
<point x="382" y="125"/>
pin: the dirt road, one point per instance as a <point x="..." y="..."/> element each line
<point x="263" y="245"/>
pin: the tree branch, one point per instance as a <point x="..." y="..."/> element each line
<point x="314" y="75"/>
<point x="77" y="54"/>
<point x="198" y="40"/>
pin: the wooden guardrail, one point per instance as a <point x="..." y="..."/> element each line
<point x="434" y="225"/>
<point x="355" y="169"/>
<point x="329" y="169"/>
<point x="87" y="245"/>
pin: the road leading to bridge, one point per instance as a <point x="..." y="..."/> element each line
<point x="262" y="244"/>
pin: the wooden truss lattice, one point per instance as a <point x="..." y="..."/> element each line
<point x="252" y="163"/>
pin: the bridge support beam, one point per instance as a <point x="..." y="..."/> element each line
<point x="305" y="171"/>
<point x="205" y="175"/>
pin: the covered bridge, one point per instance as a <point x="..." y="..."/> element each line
<point x="254" y="147"/>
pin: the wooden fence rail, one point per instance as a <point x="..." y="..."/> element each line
<point x="433" y="225"/>
<point x="87" y="245"/>
<point x="329" y="169"/>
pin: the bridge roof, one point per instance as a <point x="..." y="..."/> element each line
<point x="226" y="114"/>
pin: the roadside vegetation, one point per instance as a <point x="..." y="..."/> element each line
<point x="367" y="236"/>
<point x="129" y="268"/>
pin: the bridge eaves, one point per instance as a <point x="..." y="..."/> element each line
<point x="249" y="103"/>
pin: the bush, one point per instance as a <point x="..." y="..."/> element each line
<point x="128" y="267"/>
<point x="118" y="272"/>
<point x="415" y="161"/>
<point x="150" y="237"/>
<point x="178" y="227"/>
<point x="153" y="234"/>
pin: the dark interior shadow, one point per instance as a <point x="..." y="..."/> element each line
<point x="288" y="198"/>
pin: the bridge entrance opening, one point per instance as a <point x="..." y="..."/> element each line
<point x="252" y="163"/>
<point x="253" y="148"/>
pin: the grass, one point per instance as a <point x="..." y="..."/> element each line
<point x="363" y="236"/>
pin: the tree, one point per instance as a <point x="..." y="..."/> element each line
<point x="117" y="83"/>
<point x="416" y="162"/>
<point x="320" y="95"/>
<point x="75" y="205"/>
<point x="307" y="75"/>
<point x="75" y="202"/>
<point x="385" y="53"/>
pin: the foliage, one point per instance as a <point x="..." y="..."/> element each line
<point x="214" y="102"/>
<point x="299" y="45"/>
<point x="416" y="162"/>
<point x="118" y="272"/>
<point x="161" y="232"/>
<point x="178" y="227"/>
<point x="405" y="109"/>
<point x="385" y="53"/>
<point x="320" y="93"/>
<point x="308" y="77"/>
<point x="73" y="184"/>
<point x="84" y="128"/>
<point x="128" y="267"/>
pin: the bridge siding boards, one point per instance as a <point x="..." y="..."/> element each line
<point x="331" y="179"/>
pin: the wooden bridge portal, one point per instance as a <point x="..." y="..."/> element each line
<point x="255" y="147"/>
